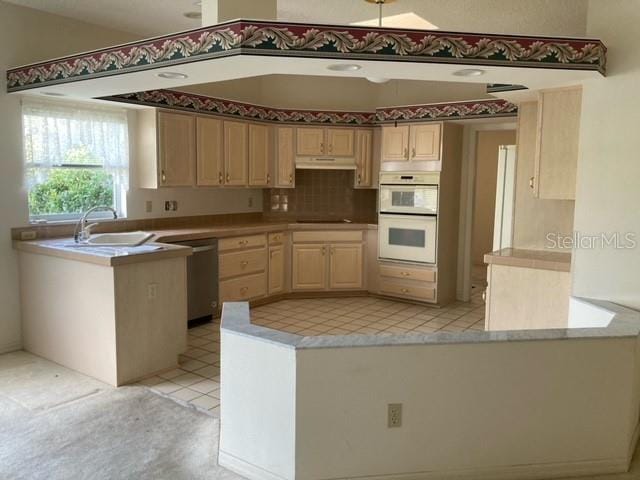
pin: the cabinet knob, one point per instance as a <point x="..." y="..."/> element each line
<point x="244" y="263"/>
<point x="322" y="147"/>
<point x="323" y="250"/>
<point x="532" y="182"/>
<point x="405" y="290"/>
<point x="220" y="177"/>
<point x="163" y="176"/>
<point x="330" y="148"/>
<point x="359" y="178"/>
<point x="405" y="274"/>
<point x="406" y="153"/>
<point x="268" y="178"/>
<point x="243" y="290"/>
<point x="291" y="178"/>
<point x="228" y="178"/>
<point x="413" y="152"/>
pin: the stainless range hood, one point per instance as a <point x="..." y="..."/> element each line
<point x="325" y="163"/>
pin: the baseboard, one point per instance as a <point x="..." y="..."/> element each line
<point x="515" y="472"/>
<point x="245" y="469"/>
<point x="10" y="347"/>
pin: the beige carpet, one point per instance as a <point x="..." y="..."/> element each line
<point x="59" y="424"/>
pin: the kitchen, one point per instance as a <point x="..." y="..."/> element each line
<point x="366" y="207"/>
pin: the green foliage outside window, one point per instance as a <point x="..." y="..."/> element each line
<point x="71" y="190"/>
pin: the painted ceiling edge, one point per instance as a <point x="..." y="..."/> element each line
<point x="201" y="104"/>
<point x="249" y="37"/>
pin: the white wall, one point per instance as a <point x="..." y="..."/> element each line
<point x="608" y="186"/>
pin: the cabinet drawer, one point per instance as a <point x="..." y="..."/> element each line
<point x="332" y="236"/>
<point x="242" y="262"/>
<point x="243" y="288"/>
<point x="250" y="241"/>
<point x="407" y="290"/>
<point x="408" y="273"/>
<point x="276" y="238"/>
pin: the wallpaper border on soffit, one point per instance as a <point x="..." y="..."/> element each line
<point x="249" y="37"/>
<point x="201" y="104"/>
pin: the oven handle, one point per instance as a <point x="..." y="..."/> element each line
<point x="412" y="216"/>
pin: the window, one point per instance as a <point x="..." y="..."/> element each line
<point x="77" y="157"/>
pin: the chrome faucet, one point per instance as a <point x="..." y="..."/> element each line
<point x="83" y="231"/>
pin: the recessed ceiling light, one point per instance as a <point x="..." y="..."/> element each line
<point x="53" y="94"/>
<point x="344" y="67"/>
<point x="378" y="79"/>
<point x="173" y="75"/>
<point x="193" y="15"/>
<point x="469" y="72"/>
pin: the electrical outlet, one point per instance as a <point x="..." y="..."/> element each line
<point x="148" y="206"/>
<point x="170" y="205"/>
<point x="394" y="415"/>
<point x="28" y="235"/>
<point x="152" y="291"/>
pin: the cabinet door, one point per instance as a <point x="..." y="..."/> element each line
<point x="425" y="142"/>
<point x="176" y="149"/>
<point x="345" y="266"/>
<point x="235" y="153"/>
<point x="285" y="157"/>
<point x="309" y="267"/>
<point x="276" y="269"/>
<point x="310" y="141"/>
<point x="364" y="158"/>
<point x="259" y="149"/>
<point x="395" y="144"/>
<point x="340" y="142"/>
<point x="557" y="144"/>
<point x="209" y="143"/>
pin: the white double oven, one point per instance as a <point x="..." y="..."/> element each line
<point x="408" y="217"/>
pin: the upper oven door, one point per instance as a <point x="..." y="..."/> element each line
<point x="413" y="199"/>
<point x="407" y="238"/>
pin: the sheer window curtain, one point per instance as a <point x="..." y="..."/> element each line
<point x="66" y="134"/>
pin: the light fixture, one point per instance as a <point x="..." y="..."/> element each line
<point x="469" y="72"/>
<point x="173" y="75"/>
<point x="193" y="15"/>
<point x="378" y="79"/>
<point x="344" y="67"/>
<point x="380" y="3"/>
<point x="53" y="94"/>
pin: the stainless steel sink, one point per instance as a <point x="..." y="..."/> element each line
<point x="126" y="239"/>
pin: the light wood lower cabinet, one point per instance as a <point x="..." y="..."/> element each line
<point x="326" y="264"/>
<point x="243" y="288"/>
<point x="242" y="269"/>
<point x="408" y="281"/>
<point x="276" y="269"/>
<point x="345" y="266"/>
<point x="309" y="267"/>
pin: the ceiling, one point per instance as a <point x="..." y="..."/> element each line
<point x="148" y="18"/>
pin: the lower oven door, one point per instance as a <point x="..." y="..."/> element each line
<point x="410" y="238"/>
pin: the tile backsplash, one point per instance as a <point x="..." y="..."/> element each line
<point x="321" y="195"/>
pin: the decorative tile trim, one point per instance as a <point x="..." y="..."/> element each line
<point x="448" y="111"/>
<point x="321" y="41"/>
<point x="215" y="106"/>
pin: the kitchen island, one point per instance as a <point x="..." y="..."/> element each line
<point x="115" y="314"/>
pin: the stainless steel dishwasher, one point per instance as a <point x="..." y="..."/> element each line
<point x="202" y="279"/>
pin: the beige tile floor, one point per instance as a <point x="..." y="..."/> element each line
<point x="197" y="380"/>
<point x="368" y="315"/>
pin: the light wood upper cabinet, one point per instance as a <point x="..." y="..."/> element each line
<point x="364" y="159"/>
<point x="309" y="267"/>
<point x="310" y="141"/>
<point x="259" y="154"/>
<point x="209" y="152"/>
<point x="424" y="141"/>
<point x="276" y="269"/>
<point x="345" y="266"/>
<point x="415" y="147"/>
<point x="235" y="153"/>
<point x="340" y="142"/>
<point x="395" y="143"/>
<point x="557" y="143"/>
<point x="285" y="157"/>
<point x="176" y="149"/>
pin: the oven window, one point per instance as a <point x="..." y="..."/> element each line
<point x="403" y="199"/>
<point x="406" y="237"/>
